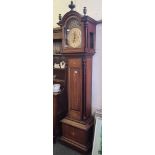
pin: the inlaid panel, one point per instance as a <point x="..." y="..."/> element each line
<point x="75" y="88"/>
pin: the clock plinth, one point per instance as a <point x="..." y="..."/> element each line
<point x="77" y="134"/>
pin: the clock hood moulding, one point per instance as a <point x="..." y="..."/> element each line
<point x="83" y="18"/>
<point x="67" y="15"/>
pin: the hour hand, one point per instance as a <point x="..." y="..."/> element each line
<point x="74" y="38"/>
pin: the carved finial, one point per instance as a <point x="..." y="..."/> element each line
<point x="84" y="10"/>
<point x="59" y="16"/>
<point x="71" y="6"/>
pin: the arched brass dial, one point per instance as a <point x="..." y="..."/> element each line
<point x="74" y="38"/>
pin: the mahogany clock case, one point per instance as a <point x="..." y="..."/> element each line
<point x="77" y="125"/>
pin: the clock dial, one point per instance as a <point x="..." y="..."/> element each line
<point x="73" y="33"/>
<point x="74" y="38"/>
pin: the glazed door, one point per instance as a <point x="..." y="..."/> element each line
<point x="75" y="88"/>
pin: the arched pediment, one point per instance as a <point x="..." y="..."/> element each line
<point x="68" y="15"/>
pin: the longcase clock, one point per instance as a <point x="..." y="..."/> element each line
<point x="78" y="46"/>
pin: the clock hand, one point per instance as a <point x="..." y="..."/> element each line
<point x="74" y="36"/>
<point x="73" y="40"/>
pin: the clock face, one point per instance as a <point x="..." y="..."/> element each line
<point x="73" y="33"/>
<point x="74" y="38"/>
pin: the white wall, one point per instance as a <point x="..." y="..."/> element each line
<point x="97" y="71"/>
<point x="94" y="9"/>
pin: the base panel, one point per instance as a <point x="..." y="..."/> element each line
<point x="77" y="135"/>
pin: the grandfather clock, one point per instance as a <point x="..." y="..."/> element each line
<point x="78" y="46"/>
